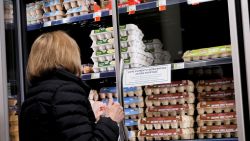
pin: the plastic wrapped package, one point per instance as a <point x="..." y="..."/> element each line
<point x="207" y="53"/>
<point x="110" y="92"/>
<point x="170" y="110"/>
<point x="221" y="131"/>
<point x="217" y="119"/>
<point x="167" y="134"/>
<point x="170" y="99"/>
<point x="173" y="87"/>
<point x="216" y="106"/>
<point x="215" y="85"/>
<point x="173" y="122"/>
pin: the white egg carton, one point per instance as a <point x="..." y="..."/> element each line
<point x="215" y="85"/>
<point x="134" y="113"/>
<point x="170" y="110"/>
<point x="132" y="135"/>
<point x="170" y="99"/>
<point x="217" y="119"/>
<point x="173" y="87"/>
<point x="166" y="134"/>
<point x="107" y="33"/>
<point x="110" y="92"/>
<point x="222" y="131"/>
<point x="166" y="122"/>
<point x="216" y="95"/>
<point x="222" y="106"/>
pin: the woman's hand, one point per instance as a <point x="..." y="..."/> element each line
<point x="98" y="108"/>
<point x="114" y="111"/>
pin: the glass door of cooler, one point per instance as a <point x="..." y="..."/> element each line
<point x="10" y="70"/>
<point x="201" y="97"/>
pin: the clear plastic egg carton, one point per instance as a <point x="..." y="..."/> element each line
<point x="167" y="134"/>
<point x="170" y="110"/>
<point x="133" y="113"/>
<point x="207" y="53"/>
<point x="110" y="92"/>
<point x="166" y="122"/>
<point x="131" y="123"/>
<point x="217" y="119"/>
<point x="216" y="95"/>
<point x="154" y="45"/>
<point x="130" y="102"/>
<point x="70" y="4"/>
<point x="52" y="6"/>
<point x="209" y="107"/>
<point x="215" y="85"/>
<point x="34" y="12"/>
<point x="77" y="11"/>
<point x="222" y="131"/>
<point x="170" y="99"/>
<point x="54" y="15"/>
<point x="173" y="87"/>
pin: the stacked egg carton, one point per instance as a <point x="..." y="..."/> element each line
<point x="132" y="48"/>
<point x="53" y="10"/>
<point x="77" y="7"/>
<point x="216" y="109"/>
<point x="169" y="112"/>
<point x="34" y="12"/>
<point x="133" y="104"/>
<point x="155" y="47"/>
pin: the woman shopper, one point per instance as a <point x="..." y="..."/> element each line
<point x="57" y="106"/>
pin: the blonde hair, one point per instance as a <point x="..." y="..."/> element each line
<point x="51" y="51"/>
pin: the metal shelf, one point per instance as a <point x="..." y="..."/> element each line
<point x="175" y="66"/>
<point x="105" y="13"/>
<point x="98" y="75"/>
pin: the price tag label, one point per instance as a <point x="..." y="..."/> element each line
<point x="97" y="16"/>
<point x="46" y="24"/>
<point x="177" y="66"/>
<point x="195" y="2"/>
<point x="131" y="9"/>
<point x="95" y="75"/>
<point x="147" y="76"/>
<point x="162" y="5"/>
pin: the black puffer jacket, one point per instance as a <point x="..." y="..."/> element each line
<point x="57" y="109"/>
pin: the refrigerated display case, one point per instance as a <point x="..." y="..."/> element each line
<point x="205" y="43"/>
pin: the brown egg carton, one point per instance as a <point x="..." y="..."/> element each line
<point x="173" y="87"/>
<point x="222" y="106"/>
<point x="218" y="95"/>
<point x="170" y="99"/>
<point x="166" y="122"/>
<point x="170" y="110"/>
<point x="166" y="134"/>
<point x="217" y="119"/>
<point x="223" y="131"/>
<point x="215" y="85"/>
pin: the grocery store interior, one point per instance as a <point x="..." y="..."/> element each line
<point x="199" y="51"/>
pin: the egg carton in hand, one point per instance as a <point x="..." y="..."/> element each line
<point x="173" y="87"/>
<point x="217" y="119"/>
<point x="170" y="110"/>
<point x="170" y="99"/>
<point x="167" y="134"/>
<point x="151" y="123"/>
<point x="226" y="131"/>
<point x="216" y="106"/>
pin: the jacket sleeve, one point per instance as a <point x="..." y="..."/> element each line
<point x="73" y="113"/>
